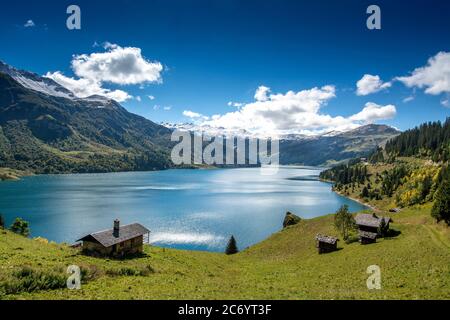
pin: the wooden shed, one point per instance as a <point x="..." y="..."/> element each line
<point x="326" y="244"/>
<point x="370" y="227"/>
<point x="116" y="242"/>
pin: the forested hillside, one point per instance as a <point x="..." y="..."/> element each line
<point x="412" y="169"/>
<point x="47" y="134"/>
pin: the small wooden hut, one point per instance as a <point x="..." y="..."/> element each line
<point x="116" y="242"/>
<point x="370" y="227"/>
<point x="326" y="244"/>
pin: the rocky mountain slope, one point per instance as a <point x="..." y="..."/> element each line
<point x="45" y="129"/>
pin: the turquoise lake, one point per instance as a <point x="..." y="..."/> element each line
<point x="185" y="209"/>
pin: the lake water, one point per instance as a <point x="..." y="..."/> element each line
<point x="186" y="209"/>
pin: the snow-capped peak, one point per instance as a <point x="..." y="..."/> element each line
<point x="37" y="83"/>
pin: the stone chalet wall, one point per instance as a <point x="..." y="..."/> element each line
<point x="132" y="246"/>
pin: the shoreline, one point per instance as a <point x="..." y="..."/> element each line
<point x="8" y="174"/>
<point x="215" y="168"/>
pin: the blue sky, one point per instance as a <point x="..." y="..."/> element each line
<point x="215" y="52"/>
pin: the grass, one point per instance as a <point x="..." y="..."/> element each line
<point x="414" y="265"/>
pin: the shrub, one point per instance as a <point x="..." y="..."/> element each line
<point x="290" y="220"/>
<point x="27" y="279"/>
<point x="231" y="246"/>
<point x="20" y="227"/>
<point x="89" y="273"/>
<point x="131" y="272"/>
<point x="352" y="238"/>
<point x="2" y="221"/>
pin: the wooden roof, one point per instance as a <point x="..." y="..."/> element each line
<point x="368" y="235"/>
<point x="370" y="220"/>
<point x="107" y="239"/>
<point x="326" y="239"/>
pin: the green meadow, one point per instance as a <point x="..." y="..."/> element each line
<point x="414" y="265"/>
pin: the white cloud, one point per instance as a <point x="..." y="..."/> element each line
<point x="165" y="108"/>
<point x="446" y="103"/>
<point x="435" y="76"/>
<point x="151" y="97"/>
<point x="408" y="99"/>
<point x="29" y="24"/>
<point x="194" y="115"/>
<point x="373" y="112"/>
<point x="370" y="84"/>
<point x="84" y="88"/>
<point x="124" y="66"/>
<point x="235" y="104"/>
<point x="138" y="98"/>
<point x="291" y="112"/>
<point x="261" y="93"/>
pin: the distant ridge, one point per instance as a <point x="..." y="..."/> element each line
<point x="338" y="147"/>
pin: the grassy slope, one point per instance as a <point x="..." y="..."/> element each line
<point x="414" y="265"/>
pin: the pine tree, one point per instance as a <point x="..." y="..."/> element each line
<point x="2" y="221"/>
<point x="365" y="192"/>
<point x="231" y="246"/>
<point x="441" y="207"/>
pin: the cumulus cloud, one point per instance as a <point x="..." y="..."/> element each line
<point x="123" y="66"/>
<point x="84" y="88"/>
<point x="446" y="103"/>
<point x="194" y="115"/>
<point x="118" y="65"/>
<point x="373" y="112"/>
<point x="151" y="97"/>
<point x="29" y="24"/>
<point x="138" y="98"/>
<point x="261" y="93"/>
<point x="291" y="112"/>
<point x="435" y="76"/>
<point x="370" y="84"/>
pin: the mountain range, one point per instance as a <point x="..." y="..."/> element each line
<point x="45" y="128"/>
<point x="335" y="147"/>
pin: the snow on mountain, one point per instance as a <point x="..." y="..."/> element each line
<point x="364" y="130"/>
<point x="37" y="83"/>
<point x="49" y="87"/>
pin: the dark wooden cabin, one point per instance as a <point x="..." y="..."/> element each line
<point x="370" y="227"/>
<point x="326" y="244"/>
<point x="116" y="242"/>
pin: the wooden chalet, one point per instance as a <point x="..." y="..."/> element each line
<point x="369" y="226"/>
<point x="326" y="244"/>
<point x="116" y="242"/>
